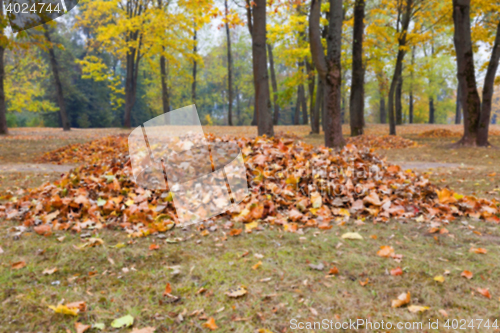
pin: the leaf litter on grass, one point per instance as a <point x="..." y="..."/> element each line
<point x="293" y="185"/>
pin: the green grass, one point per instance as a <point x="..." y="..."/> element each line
<point x="217" y="265"/>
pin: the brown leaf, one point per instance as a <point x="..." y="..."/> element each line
<point x="485" y="292"/>
<point x="18" y="265"/>
<point x="385" y="251"/>
<point x="467" y="274"/>
<point x="235" y="232"/>
<point x="153" y="247"/>
<point x="333" y="271"/>
<point x="168" y="290"/>
<point x="402" y="299"/>
<point x="478" y="250"/>
<point x="80" y="328"/>
<point x="81" y="306"/>
<point x="48" y="271"/>
<point x="210" y="324"/>
<point x="43" y="230"/>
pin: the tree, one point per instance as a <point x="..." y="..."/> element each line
<point x="476" y="117"/>
<point x="329" y="67"/>
<point x="357" y="104"/>
<point x="261" y="77"/>
<point x="274" y="84"/>
<point x="3" y="45"/>
<point x="229" y="68"/>
<point x="402" y="40"/>
<point x="57" y="81"/>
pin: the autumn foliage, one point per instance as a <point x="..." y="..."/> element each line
<point x="293" y="185"/>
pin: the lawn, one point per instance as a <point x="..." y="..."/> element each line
<point x="261" y="279"/>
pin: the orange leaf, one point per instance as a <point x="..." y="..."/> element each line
<point x="168" y="289"/>
<point x="385" y="251"/>
<point x="402" y="299"/>
<point x="364" y="283"/>
<point x="210" y="323"/>
<point x="467" y="274"/>
<point x="43" y="230"/>
<point x="373" y="236"/>
<point x="485" y="292"/>
<point x="478" y="250"/>
<point x="81" y="306"/>
<point x="257" y="265"/>
<point x="396" y="271"/>
<point x="333" y="271"/>
<point x="235" y="232"/>
<point x="153" y="247"/>
<point x="18" y="265"/>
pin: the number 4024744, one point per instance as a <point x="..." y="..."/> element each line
<point x="39" y="7"/>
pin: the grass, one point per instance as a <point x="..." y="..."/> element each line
<point x="116" y="281"/>
<point x="131" y="280"/>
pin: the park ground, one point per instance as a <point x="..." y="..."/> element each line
<point x="309" y="276"/>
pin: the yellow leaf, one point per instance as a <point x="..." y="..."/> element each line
<point x="63" y="309"/>
<point x="236" y="292"/>
<point x="417" y="308"/>
<point x="402" y="299"/>
<point x="352" y="235"/>
<point x="251" y="226"/>
<point x="439" y="278"/>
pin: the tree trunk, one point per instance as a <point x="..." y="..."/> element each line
<point x="3" y="109"/>
<point x="164" y="85"/>
<point x="317" y="107"/>
<point x="432" y="111"/>
<point x="303" y="99"/>
<point x="274" y="84"/>
<point x="238" y="109"/>
<point x="193" y="85"/>
<point x="329" y="67"/>
<point x="399" y="64"/>
<point x="383" y="114"/>
<point x="488" y="90"/>
<point x="229" y="71"/>
<point x="57" y="81"/>
<point x="399" y="97"/>
<point x="249" y="7"/>
<point x="261" y="76"/>
<point x="357" y="101"/>
<point x="458" y="106"/>
<point x="311" y="80"/>
<point x="296" y="114"/>
<point x="466" y="72"/>
<point x="411" y="103"/>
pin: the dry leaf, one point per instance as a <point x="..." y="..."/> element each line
<point x="63" y="309"/>
<point x="235" y="232"/>
<point x="333" y="271"/>
<point x="236" y="292"/>
<point x="80" y="328"/>
<point x="43" y="230"/>
<point x="352" y="235"/>
<point x="210" y="324"/>
<point x="478" y="250"/>
<point x="443" y="313"/>
<point x="364" y="283"/>
<point x="168" y="290"/>
<point x="402" y="299"/>
<point x="467" y="274"/>
<point x="48" y="271"/>
<point x="439" y="278"/>
<point x="18" y="265"/>
<point x="257" y="265"/>
<point x="396" y="271"/>
<point x="385" y="251"/>
<point x="417" y="308"/>
<point x="484" y="291"/>
<point x="153" y="247"/>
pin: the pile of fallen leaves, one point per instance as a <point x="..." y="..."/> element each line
<point x="89" y="152"/>
<point x="293" y="184"/>
<point x="439" y="133"/>
<point x="381" y="142"/>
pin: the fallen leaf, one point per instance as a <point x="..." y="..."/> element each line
<point x="48" y="271"/>
<point x="467" y="274"/>
<point x="484" y="291"/>
<point x="439" y="278"/>
<point x="81" y="306"/>
<point x="99" y="326"/>
<point x="153" y="247"/>
<point x="385" y="251"/>
<point x="235" y="232"/>
<point x="333" y="271"/>
<point x="250" y="226"/>
<point x="257" y="265"/>
<point x="402" y="299"/>
<point x="43" y="230"/>
<point x="210" y="324"/>
<point x="236" y="292"/>
<point x="63" y="309"/>
<point x="125" y="321"/>
<point x="318" y="267"/>
<point x="80" y="328"/>
<point x="18" y="265"/>
<point x="417" y="308"/>
<point x="352" y="235"/>
<point x="1" y="250"/>
<point x="364" y="283"/>
<point x="168" y="290"/>
<point x="396" y="271"/>
<point x="478" y="250"/>
<point x="443" y="313"/>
